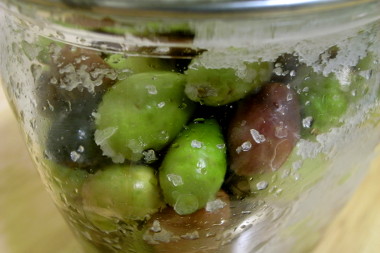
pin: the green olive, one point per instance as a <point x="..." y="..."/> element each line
<point x="143" y="112"/>
<point x="120" y="192"/>
<point x="327" y="103"/>
<point x="134" y="64"/>
<point x="324" y="101"/>
<point x="65" y="184"/>
<point x="215" y="87"/>
<point x="194" y="167"/>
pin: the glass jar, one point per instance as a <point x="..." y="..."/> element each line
<point x="204" y="126"/>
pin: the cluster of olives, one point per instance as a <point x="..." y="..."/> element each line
<point x="153" y="140"/>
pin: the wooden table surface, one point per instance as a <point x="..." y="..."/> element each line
<point x="30" y="223"/>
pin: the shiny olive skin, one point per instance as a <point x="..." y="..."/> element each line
<point x="264" y="130"/>
<point x="143" y="112"/>
<point x="216" y="87"/>
<point x="193" y="168"/>
<point x="121" y="192"/>
<point x="205" y="225"/>
<point x="70" y="140"/>
<point x="135" y="64"/>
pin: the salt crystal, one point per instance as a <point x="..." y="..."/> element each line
<point x="196" y="144"/>
<point x="257" y="137"/>
<point x="176" y="180"/>
<point x="306" y="122"/>
<point x="262" y="185"/>
<point x="74" y="156"/>
<point x="246" y="146"/>
<point x="214" y="205"/>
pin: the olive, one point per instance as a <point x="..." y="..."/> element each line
<point x="143" y="112"/>
<point x="82" y="69"/>
<point x="74" y="76"/>
<point x="168" y="231"/>
<point x="193" y="168"/>
<point x="324" y="102"/>
<point x="215" y="87"/>
<point x="66" y="184"/>
<point x="133" y="64"/>
<point x="70" y="140"/>
<point x="121" y="192"/>
<point x="264" y="130"/>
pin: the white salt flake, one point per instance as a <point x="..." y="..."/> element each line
<point x="306" y="122"/>
<point x="191" y="236"/>
<point x="214" y="205"/>
<point x="156" y="226"/>
<point x="196" y="144"/>
<point x="257" y="137"/>
<point x="74" y="156"/>
<point x="151" y="89"/>
<point x="262" y="185"/>
<point x="246" y="146"/>
<point x="176" y="180"/>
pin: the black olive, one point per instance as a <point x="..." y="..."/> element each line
<point x="70" y="141"/>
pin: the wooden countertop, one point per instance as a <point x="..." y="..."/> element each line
<point x="30" y="223"/>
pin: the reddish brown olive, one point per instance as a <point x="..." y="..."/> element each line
<point x="264" y="130"/>
<point x="195" y="233"/>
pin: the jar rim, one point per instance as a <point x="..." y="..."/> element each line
<point x="204" y="6"/>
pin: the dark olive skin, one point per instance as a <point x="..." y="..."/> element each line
<point x="70" y="141"/>
<point x="207" y="224"/>
<point x="264" y="130"/>
<point x="75" y="75"/>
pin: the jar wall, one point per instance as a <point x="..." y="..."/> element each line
<point x="249" y="134"/>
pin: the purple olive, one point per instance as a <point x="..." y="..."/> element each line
<point x="264" y="130"/>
